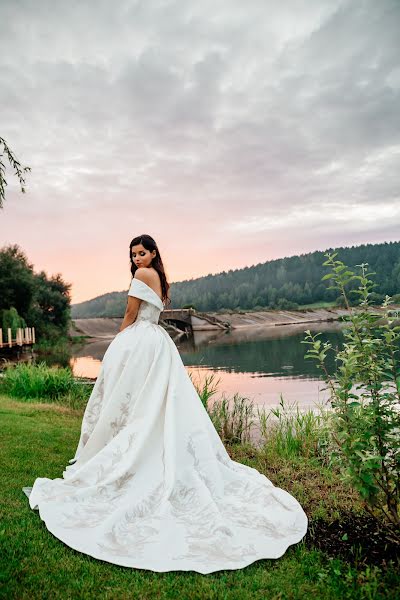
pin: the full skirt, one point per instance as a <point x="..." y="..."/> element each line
<point x="151" y="484"/>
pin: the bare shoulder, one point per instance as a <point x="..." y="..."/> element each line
<point x="144" y="274"/>
<point x="149" y="276"/>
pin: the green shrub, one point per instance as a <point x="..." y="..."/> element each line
<point x="365" y="395"/>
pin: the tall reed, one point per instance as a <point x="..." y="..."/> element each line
<point x="232" y="418"/>
<point x="290" y="431"/>
<point x="47" y="383"/>
<point x="207" y="388"/>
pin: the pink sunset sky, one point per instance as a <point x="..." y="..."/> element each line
<point x="233" y="133"/>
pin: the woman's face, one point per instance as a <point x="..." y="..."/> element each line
<point x="142" y="257"/>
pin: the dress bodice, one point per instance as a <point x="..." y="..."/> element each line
<point x="151" y="306"/>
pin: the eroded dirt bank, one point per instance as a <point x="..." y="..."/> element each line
<point x="279" y="317"/>
<point x="101" y="328"/>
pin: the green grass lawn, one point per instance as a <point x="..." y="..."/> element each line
<point x="38" y="439"/>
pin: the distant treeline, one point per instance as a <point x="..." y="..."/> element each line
<point x="29" y="299"/>
<point x="285" y="283"/>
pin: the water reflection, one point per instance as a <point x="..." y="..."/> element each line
<point x="263" y="353"/>
<point x="259" y="363"/>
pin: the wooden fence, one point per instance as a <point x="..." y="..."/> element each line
<point x="24" y="336"/>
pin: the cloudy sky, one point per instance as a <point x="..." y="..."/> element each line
<point x="232" y="132"/>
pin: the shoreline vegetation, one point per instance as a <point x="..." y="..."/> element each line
<point x="342" y="465"/>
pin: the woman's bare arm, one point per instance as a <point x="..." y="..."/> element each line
<point x="131" y="311"/>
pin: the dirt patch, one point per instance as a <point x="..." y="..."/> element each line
<point x="355" y="539"/>
<point x="95" y="327"/>
<point x="248" y="319"/>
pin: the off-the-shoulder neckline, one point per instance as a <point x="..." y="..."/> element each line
<point x="150" y="288"/>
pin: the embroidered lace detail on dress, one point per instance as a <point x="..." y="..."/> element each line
<point x="148" y="312"/>
<point x="93" y="408"/>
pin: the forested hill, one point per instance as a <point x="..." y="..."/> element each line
<point x="289" y="282"/>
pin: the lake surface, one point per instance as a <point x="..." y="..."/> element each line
<point x="258" y="363"/>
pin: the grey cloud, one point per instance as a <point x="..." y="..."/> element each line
<point x="239" y="109"/>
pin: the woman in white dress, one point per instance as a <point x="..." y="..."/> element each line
<point x="151" y="484"/>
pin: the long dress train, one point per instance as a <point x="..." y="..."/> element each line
<point x="151" y="484"/>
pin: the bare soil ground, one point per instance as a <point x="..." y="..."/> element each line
<point x="106" y="328"/>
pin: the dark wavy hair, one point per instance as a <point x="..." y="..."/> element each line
<point x="148" y="242"/>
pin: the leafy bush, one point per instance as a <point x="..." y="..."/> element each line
<point x="365" y="395"/>
<point x="285" y="304"/>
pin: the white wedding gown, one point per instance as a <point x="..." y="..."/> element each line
<point x="151" y="485"/>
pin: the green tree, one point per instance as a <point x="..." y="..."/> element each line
<point x="42" y="301"/>
<point x="50" y="309"/>
<point x="17" y="280"/>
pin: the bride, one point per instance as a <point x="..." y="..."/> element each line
<point x="151" y="484"/>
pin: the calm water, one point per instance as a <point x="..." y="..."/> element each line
<point x="259" y="364"/>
